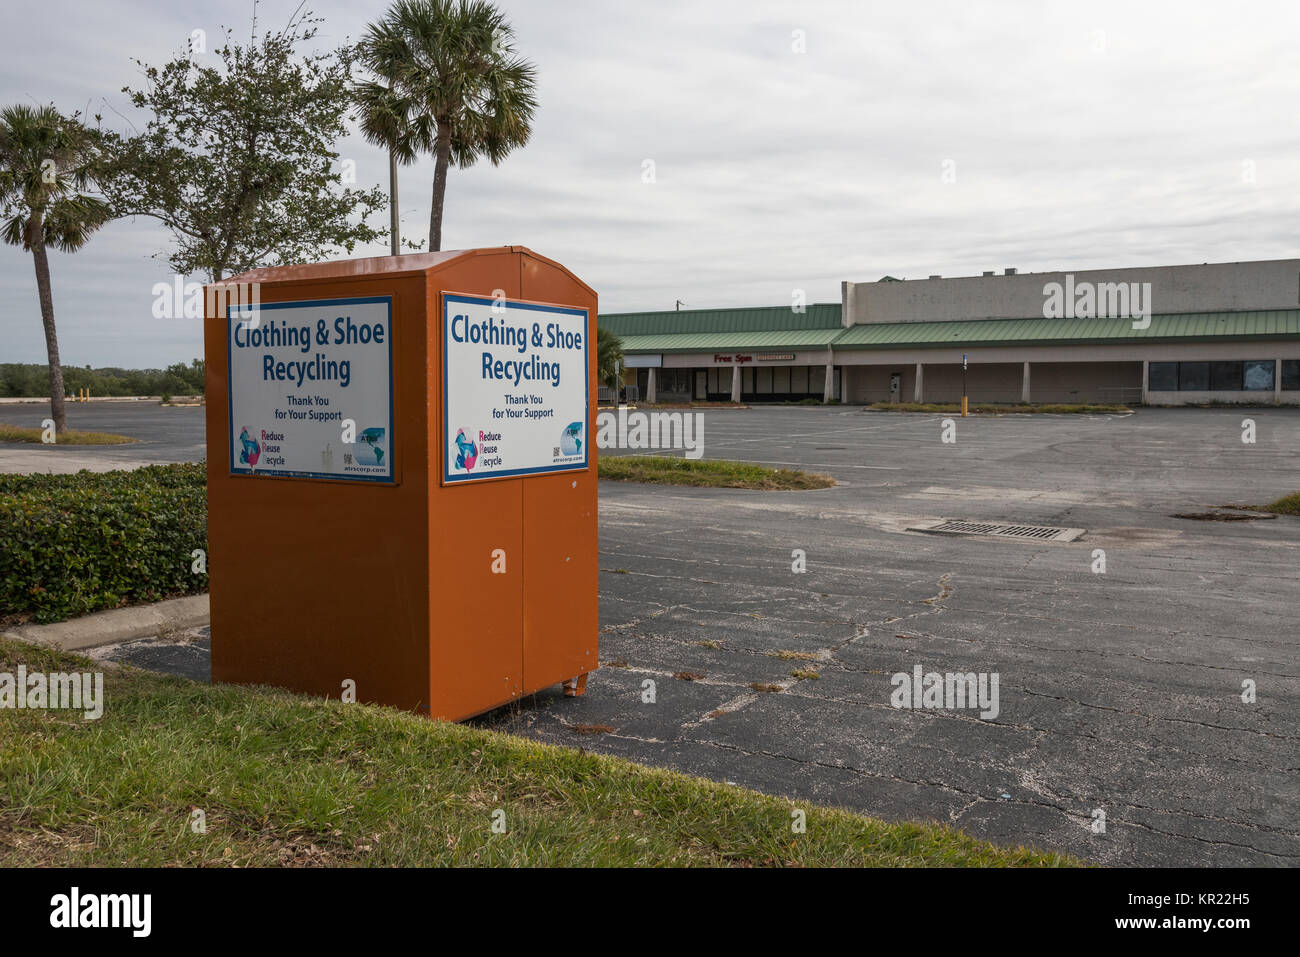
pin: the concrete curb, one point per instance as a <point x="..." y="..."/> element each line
<point x="120" y="624"/>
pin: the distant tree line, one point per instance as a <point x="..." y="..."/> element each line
<point x="29" y="380"/>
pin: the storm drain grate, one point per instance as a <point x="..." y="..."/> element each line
<point x="1042" y="533"/>
<point x="966" y="528"/>
<point x="1029" y="531"/>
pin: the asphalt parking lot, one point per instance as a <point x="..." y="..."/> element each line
<point x="164" y="433"/>
<point x="1120" y="692"/>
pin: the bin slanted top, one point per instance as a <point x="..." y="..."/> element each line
<point x="372" y="266"/>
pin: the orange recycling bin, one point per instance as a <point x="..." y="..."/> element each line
<point x="402" y="478"/>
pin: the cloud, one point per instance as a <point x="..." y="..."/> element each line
<point x="1080" y="136"/>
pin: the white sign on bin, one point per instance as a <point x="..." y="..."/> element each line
<point x="311" y="389"/>
<point x="514" y="384"/>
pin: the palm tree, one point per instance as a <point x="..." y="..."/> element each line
<point x="46" y="160"/>
<point x="452" y="63"/>
<point x="387" y="120"/>
<point x="609" y="356"/>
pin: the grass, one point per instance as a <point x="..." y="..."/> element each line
<point x="994" y="407"/>
<point x="1286" y="505"/>
<point x="668" y="470"/>
<point x="286" y="779"/>
<point x="20" y="433"/>
<point x="1222" y="516"/>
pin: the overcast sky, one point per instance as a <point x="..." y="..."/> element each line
<point x="908" y="138"/>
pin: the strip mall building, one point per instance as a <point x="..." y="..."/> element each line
<point x="1166" y="335"/>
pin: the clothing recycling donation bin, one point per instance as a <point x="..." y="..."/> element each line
<point x="402" y="479"/>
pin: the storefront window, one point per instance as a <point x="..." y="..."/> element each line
<point x="1259" y="375"/>
<point x="674" y="380"/>
<point x="1193" y="377"/>
<point x="1253" y="375"/>
<point x="1225" y="376"/>
<point x="1291" y="375"/>
<point x="1163" y="377"/>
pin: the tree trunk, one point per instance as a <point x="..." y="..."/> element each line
<point x="394" y="225"/>
<point x="57" y="411"/>
<point x="441" y="161"/>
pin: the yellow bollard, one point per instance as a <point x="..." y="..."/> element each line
<point x="963" y="407"/>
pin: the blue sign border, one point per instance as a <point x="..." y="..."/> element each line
<point x="447" y="477"/>
<point x="391" y="478"/>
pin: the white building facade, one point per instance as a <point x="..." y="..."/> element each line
<point x="1167" y="335"/>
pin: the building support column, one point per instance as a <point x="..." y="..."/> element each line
<point x="828" y="390"/>
<point x="1024" y="385"/>
<point x="1146" y="379"/>
<point x="918" y="387"/>
<point x="650" y="385"/>
<point x="735" y="383"/>
<point x="1277" y="381"/>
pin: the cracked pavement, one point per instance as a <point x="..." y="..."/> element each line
<point x="1120" y="692"/>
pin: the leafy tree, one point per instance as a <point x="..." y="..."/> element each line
<point x="192" y="375"/>
<point x="238" y="159"/>
<point x="19" y="379"/>
<point x="452" y="64"/>
<point x="28" y="379"/>
<point x="46" y="161"/>
<point x="609" y="356"/>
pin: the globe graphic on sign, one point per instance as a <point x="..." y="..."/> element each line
<point x="369" y="448"/>
<point x="571" y="439"/>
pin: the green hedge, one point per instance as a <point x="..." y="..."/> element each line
<point x="73" y="544"/>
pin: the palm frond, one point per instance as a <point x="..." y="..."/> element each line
<point x="47" y="160"/>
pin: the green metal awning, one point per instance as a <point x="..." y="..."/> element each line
<point x="1184" y="327"/>
<point x="777" y="327"/>
<point x="745" y="319"/>
<point x="730" y="341"/>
